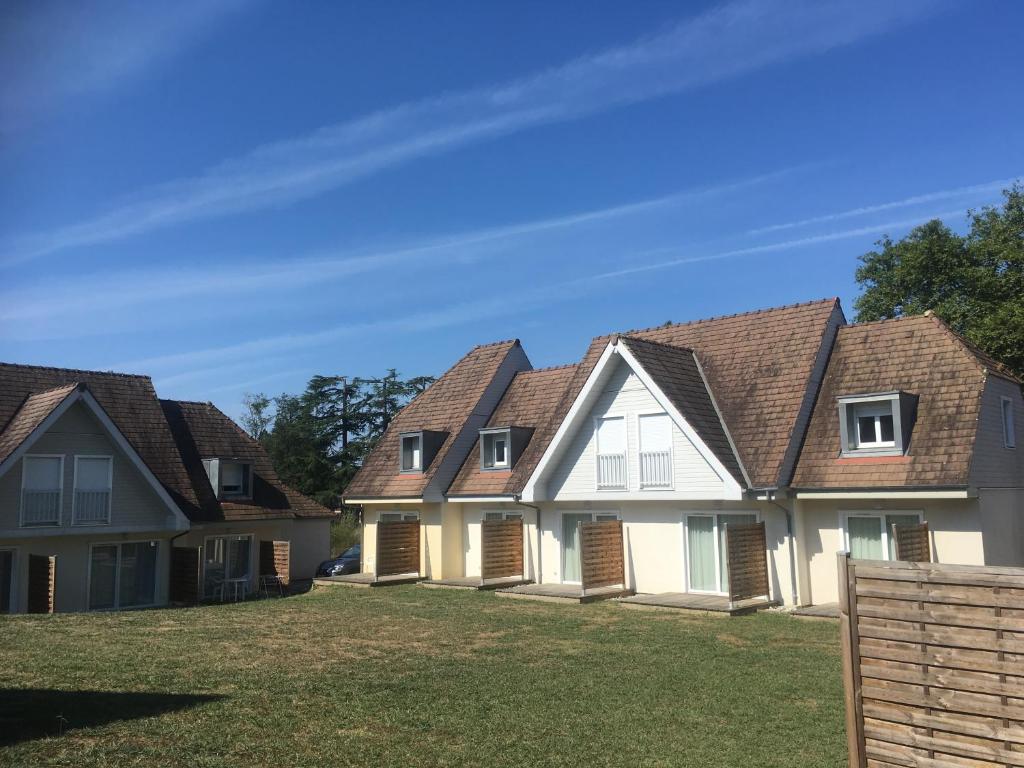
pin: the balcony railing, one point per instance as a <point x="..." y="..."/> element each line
<point x="92" y="507"/>
<point x="611" y="470"/>
<point x="40" y="507"/>
<point x="655" y="469"/>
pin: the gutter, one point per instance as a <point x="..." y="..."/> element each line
<point x="517" y="499"/>
<point x="770" y="498"/>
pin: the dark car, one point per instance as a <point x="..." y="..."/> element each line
<point x="346" y="562"/>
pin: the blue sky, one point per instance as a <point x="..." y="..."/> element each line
<point x="232" y="196"/>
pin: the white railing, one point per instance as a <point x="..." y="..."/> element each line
<point x="91" y="507"/>
<point x="655" y="469"/>
<point x="40" y="507"/>
<point x="611" y="470"/>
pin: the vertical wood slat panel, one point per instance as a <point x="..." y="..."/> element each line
<point x="912" y="543"/>
<point x="185" y="586"/>
<point x="932" y="663"/>
<point x="748" y="560"/>
<point x="602" y="563"/>
<point x="398" y="548"/>
<point x="42" y="583"/>
<point x="501" y="549"/>
<point x="275" y="559"/>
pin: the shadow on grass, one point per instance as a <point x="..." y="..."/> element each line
<point x="34" y="713"/>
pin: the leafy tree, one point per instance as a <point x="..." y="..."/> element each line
<point x="256" y="417"/>
<point x="974" y="282"/>
<point x="317" y="439"/>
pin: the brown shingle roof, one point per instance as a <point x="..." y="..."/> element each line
<point x="30" y="415"/>
<point x="202" y="431"/>
<point x="128" y="400"/>
<point x="445" y="406"/>
<point x="677" y="372"/>
<point x="919" y="355"/>
<point x="529" y="401"/>
<point x="758" y="365"/>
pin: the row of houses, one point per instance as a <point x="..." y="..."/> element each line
<point x="104" y="488"/>
<point x="829" y="433"/>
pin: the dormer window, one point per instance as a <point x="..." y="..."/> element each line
<point x="412" y="452"/>
<point x="496" y="449"/>
<point x="877" y="424"/>
<point x="501" y="447"/>
<point x="230" y="478"/>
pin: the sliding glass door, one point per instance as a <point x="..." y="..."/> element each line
<point x="707" y="558"/>
<point x="123" y="575"/>
<point x="571" y="546"/>
<point x="871" y="537"/>
<point x="225" y="559"/>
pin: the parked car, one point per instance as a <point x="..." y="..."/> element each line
<point x="347" y="562"/>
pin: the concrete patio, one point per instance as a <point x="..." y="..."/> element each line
<point x="563" y="593"/>
<point x="688" y="601"/>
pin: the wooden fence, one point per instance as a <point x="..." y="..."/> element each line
<point x="747" y="560"/>
<point x="912" y="543"/>
<point x="933" y="664"/>
<point x="601" y="555"/>
<point x="186" y="587"/>
<point x="42" y="582"/>
<point x="275" y="559"/>
<point x="398" y="548"/>
<point x="501" y="549"/>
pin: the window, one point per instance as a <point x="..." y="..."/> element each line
<point x="495" y="447"/>
<point x="412" y="453"/>
<point x="122" y="575"/>
<point x="706" y="550"/>
<point x="234" y="479"/>
<point x="571" y="548"/>
<point x="226" y="559"/>
<point x="655" y="450"/>
<point x="869" y="535"/>
<point x="876" y="425"/>
<point x="1009" y="438"/>
<point x="93" y="480"/>
<point x="399" y="517"/>
<point x="611" y="452"/>
<point x="42" y="486"/>
<point x="503" y="515"/>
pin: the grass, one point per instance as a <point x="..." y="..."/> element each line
<point x="407" y="676"/>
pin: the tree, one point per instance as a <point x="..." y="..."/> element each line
<point x="974" y="282"/>
<point x="256" y="417"/>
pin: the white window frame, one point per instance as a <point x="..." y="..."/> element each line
<point x="117" y="577"/>
<point x="1006" y="418"/>
<point x="625" y="452"/>
<point x="404" y="516"/>
<point x="253" y="563"/>
<point x="13" y="596"/>
<point x="21" y="498"/>
<point x="640" y="449"/>
<point x="876" y="409"/>
<point x="110" y="489"/>
<point x="880" y="515"/>
<point x="488" y="459"/>
<point x="506" y="514"/>
<point x="418" y="436"/>
<point x="718" y="555"/>
<point x="594" y="513"/>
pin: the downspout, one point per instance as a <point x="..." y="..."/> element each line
<point x="792" y="547"/>
<point x="517" y="499"/>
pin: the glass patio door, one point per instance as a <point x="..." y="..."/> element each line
<point x="227" y="558"/>
<point x="571" y="546"/>
<point x="700" y="553"/>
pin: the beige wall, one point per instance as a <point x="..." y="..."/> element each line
<point x="955" y="525"/>
<point x="71" y="584"/>
<point x="133" y="504"/>
<point x="371" y="514"/>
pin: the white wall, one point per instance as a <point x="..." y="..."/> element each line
<point x="575" y="474"/>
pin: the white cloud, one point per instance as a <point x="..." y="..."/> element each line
<point x="728" y="41"/>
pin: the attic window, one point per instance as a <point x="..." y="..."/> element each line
<point x="412" y="452"/>
<point x="496" y="447"/>
<point x="876" y="424"/>
<point x="1009" y="438"/>
<point x="235" y="479"/>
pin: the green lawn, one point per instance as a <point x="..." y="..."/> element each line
<point x="407" y="676"/>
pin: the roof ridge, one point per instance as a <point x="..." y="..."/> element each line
<point x="548" y="368"/>
<point x="763" y="310"/>
<point x="77" y="370"/>
<point x="496" y="344"/>
<point x="185" y="402"/>
<point x="675" y="347"/>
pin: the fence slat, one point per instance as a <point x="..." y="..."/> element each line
<point x="933" y="663"/>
